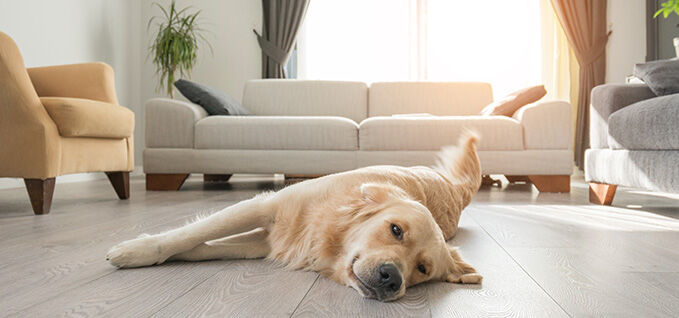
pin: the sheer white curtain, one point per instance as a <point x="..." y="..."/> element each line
<point x="496" y="41"/>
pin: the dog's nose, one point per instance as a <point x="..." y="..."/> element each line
<point x="390" y="277"/>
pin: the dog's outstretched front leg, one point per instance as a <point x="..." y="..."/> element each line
<point x="155" y="249"/>
<point x="246" y="245"/>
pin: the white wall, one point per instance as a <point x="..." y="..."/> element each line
<point x="74" y="31"/>
<point x="627" y="44"/>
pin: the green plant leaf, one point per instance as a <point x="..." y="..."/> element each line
<point x="174" y="49"/>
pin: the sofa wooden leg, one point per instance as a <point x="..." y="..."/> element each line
<point x="601" y="193"/>
<point x="40" y="192"/>
<point x="120" y="180"/>
<point x="303" y="176"/>
<point x="216" y="177"/>
<point x="488" y="181"/>
<point x="515" y="179"/>
<point x="558" y="183"/>
<point x="165" y="181"/>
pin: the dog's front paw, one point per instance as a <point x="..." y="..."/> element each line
<point x="472" y="278"/>
<point x="143" y="251"/>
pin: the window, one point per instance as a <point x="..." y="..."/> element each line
<point x="494" y="41"/>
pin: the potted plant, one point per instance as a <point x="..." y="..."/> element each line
<point x="176" y="44"/>
<point x="666" y="8"/>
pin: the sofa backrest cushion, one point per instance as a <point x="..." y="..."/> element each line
<point x="436" y="98"/>
<point x="306" y="98"/>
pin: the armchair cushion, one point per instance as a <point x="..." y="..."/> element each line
<point x="77" y="117"/>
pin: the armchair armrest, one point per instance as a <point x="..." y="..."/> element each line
<point x="546" y="125"/>
<point x="606" y="100"/>
<point x="88" y="81"/>
<point x="170" y="123"/>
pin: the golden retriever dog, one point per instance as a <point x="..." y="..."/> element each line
<point x="376" y="229"/>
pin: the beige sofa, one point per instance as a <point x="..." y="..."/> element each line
<point x="323" y="127"/>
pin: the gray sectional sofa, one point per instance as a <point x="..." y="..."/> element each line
<point x="634" y="140"/>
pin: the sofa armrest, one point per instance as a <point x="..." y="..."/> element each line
<point x="546" y="125"/>
<point x="94" y="81"/>
<point x="170" y="123"/>
<point x="606" y="100"/>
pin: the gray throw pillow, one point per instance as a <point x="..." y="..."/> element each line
<point x="662" y="77"/>
<point x="213" y="100"/>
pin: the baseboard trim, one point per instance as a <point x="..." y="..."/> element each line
<point x="10" y="183"/>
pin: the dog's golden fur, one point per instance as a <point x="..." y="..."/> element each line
<point x="345" y="226"/>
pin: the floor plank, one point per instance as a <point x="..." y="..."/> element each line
<point x="328" y="299"/>
<point x="254" y="288"/>
<point x="591" y="260"/>
<point x="506" y="290"/>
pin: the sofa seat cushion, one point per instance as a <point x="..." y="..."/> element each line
<point x="651" y="124"/>
<point x="434" y="132"/>
<point x="76" y="117"/>
<point x="276" y="133"/>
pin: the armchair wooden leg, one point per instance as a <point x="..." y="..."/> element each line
<point x="165" y="181"/>
<point x="40" y="192"/>
<point x="120" y="180"/>
<point x="216" y="177"/>
<point x="601" y="193"/>
<point x="551" y="183"/>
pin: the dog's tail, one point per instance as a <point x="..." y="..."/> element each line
<point x="461" y="164"/>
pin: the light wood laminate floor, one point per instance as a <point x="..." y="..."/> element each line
<point x="542" y="255"/>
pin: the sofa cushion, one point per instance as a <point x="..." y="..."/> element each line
<point x="437" y="98"/>
<point x="284" y="97"/>
<point x="509" y="104"/>
<point x="661" y="76"/>
<point x="432" y="133"/>
<point x="76" y="117"/>
<point x="652" y="124"/>
<point x="214" y="101"/>
<point x="276" y="133"/>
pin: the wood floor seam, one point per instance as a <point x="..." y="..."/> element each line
<point x="186" y="292"/>
<point x="521" y="266"/>
<point x="305" y="294"/>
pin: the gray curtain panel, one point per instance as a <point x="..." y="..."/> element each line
<point x="282" y="19"/>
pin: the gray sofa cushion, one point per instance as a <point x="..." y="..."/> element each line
<point x="214" y="101"/>
<point x="606" y="100"/>
<point x="652" y="124"/>
<point x="661" y="76"/>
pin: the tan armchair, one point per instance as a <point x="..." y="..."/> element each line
<point x="59" y="120"/>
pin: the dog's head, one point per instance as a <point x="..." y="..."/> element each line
<point x="397" y="244"/>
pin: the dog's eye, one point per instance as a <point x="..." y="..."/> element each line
<point x="396" y="231"/>
<point x="421" y="268"/>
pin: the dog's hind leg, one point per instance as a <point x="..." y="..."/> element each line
<point x="155" y="249"/>
<point x="252" y="244"/>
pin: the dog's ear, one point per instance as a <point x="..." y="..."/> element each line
<point x="460" y="272"/>
<point x="375" y="192"/>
